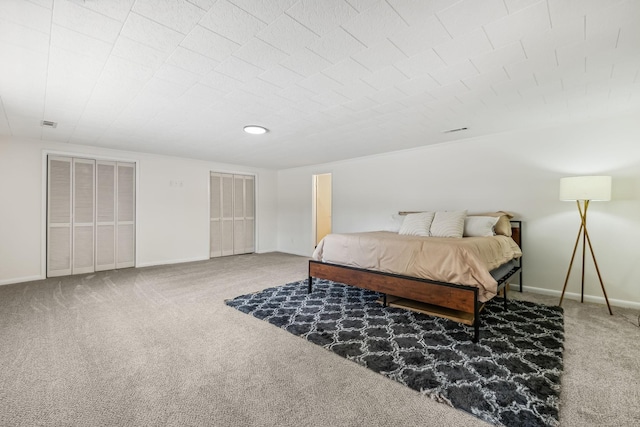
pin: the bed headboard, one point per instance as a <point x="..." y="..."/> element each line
<point x="515" y="232"/>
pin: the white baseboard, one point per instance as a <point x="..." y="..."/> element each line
<point x="576" y="296"/>
<point x="306" y="255"/>
<point x="170" y="261"/>
<point x="21" y="280"/>
<point x="265" y="251"/>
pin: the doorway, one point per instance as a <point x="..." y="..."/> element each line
<point x="322" y="206"/>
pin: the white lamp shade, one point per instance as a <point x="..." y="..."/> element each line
<point x="596" y="188"/>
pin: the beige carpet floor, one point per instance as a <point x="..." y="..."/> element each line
<point x="157" y="346"/>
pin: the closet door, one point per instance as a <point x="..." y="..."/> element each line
<point x="238" y="214"/>
<point x="59" y="208"/>
<point x="125" y="214"/>
<point x="215" y="215"/>
<point x="227" y="214"/>
<point x="249" y="214"/>
<point x="105" y="215"/>
<point x="243" y="217"/>
<point x="232" y="217"/>
<point x="83" y="216"/>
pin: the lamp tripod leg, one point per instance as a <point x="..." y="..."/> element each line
<point x="593" y="255"/>
<point x="573" y="255"/>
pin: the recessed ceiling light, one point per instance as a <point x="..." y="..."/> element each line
<point x="255" y="129"/>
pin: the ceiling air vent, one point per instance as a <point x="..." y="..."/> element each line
<point x="453" y="130"/>
<point x="48" y="124"/>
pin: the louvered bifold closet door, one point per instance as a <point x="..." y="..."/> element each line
<point x="83" y="216"/>
<point x="227" y="214"/>
<point x="125" y="217"/>
<point x="249" y="214"/>
<point x="238" y="215"/>
<point x="105" y="215"/>
<point x="215" y="215"/>
<point x="59" y="208"/>
<point x="232" y="214"/>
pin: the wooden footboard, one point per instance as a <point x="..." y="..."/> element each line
<point x="456" y="302"/>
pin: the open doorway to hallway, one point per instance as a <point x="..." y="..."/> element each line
<point x="321" y="206"/>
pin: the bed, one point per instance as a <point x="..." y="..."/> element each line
<point x="441" y="276"/>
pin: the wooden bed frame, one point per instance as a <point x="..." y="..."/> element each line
<point x="452" y="301"/>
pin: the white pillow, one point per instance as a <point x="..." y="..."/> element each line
<point x="394" y="223"/>
<point x="480" y="226"/>
<point x="417" y="224"/>
<point x="448" y="224"/>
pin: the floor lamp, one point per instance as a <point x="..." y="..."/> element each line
<point x="584" y="189"/>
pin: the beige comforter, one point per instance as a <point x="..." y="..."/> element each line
<point x="465" y="261"/>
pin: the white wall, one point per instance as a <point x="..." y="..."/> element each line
<point x="173" y="223"/>
<point x="516" y="171"/>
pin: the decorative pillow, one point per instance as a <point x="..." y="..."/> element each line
<point x="480" y="226"/>
<point x="503" y="226"/>
<point x="448" y="224"/>
<point x="394" y="223"/>
<point x="417" y="224"/>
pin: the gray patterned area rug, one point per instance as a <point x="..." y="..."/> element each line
<point x="510" y="377"/>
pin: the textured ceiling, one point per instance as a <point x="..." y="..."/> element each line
<point x="331" y="79"/>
